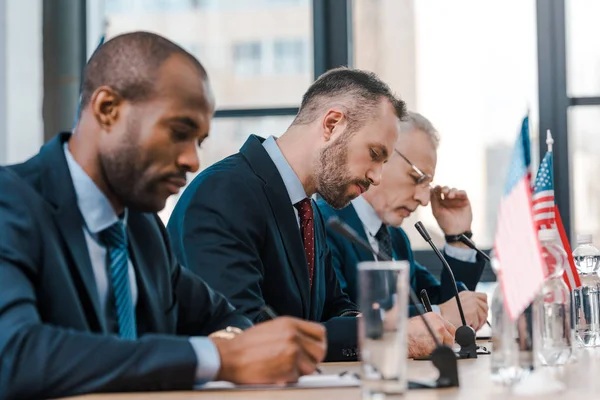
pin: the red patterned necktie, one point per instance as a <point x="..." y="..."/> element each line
<point x="307" y="229"/>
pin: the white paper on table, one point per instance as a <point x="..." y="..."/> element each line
<point x="485" y="331"/>
<point x="305" y="382"/>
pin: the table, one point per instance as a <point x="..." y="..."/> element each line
<point x="582" y="378"/>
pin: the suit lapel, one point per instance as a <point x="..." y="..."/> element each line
<point x="283" y="211"/>
<point x="57" y="188"/>
<point x="292" y="241"/>
<point x="147" y="307"/>
<point x="349" y="215"/>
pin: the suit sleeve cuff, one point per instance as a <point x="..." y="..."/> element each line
<point x="207" y="358"/>
<point x="465" y="255"/>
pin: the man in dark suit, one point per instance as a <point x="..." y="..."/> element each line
<point x="91" y="296"/>
<point x="247" y="224"/>
<point x="378" y="214"/>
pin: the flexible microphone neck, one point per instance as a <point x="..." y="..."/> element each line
<point x="423" y="232"/>
<point x="349" y="233"/>
<point x="464" y="239"/>
<point x="443" y="357"/>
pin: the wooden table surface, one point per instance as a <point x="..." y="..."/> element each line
<point x="582" y="378"/>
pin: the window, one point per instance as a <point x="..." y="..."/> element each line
<point x="236" y="39"/>
<point x="583" y="80"/>
<point x="469" y="66"/>
<point x="118" y="6"/>
<point x="254" y="4"/>
<point x="247" y="59"/>
<point x="195" y="49"/>
<point x="21" y="80"/>
<point x="584" y="148"/>
<point x="290" y="57"/>
<point x="583" y="44"/>
<point x="287" y="2"/>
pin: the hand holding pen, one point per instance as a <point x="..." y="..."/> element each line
<point x="271" y="315"/>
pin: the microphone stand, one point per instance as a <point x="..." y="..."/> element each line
<point x="442" y="357"/>
<point x="464" y="239"/>
<point x="465" y="335"/>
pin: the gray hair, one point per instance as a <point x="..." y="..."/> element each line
<point x="415" y="121"/>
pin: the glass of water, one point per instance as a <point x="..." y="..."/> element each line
<point x="383" y="300"/>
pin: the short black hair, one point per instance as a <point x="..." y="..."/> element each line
<point x="129" y="64"/>
<point x="360" y="92"/>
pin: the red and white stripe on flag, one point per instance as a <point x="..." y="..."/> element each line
<point x="518" y="250"/>
<point x="571" y="276"/>
<point x="543" y="209"/>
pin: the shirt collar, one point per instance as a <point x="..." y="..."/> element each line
<point x="98" y="213"/>
<point x="290" y="179"/>
<point x="367" y="215"/>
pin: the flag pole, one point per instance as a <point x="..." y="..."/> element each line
<point x="549" y="140"/>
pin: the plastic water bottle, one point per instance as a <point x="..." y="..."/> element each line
<point x="586" y="299"/>
<point x="512" y="349"/>
<point x="552" y="306"/>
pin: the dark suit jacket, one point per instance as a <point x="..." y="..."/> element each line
<point x="52" y="341"/>
<point x="345" y="257"/>
<point x="235" y="227"/>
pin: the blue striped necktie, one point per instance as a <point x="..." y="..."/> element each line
<point x="115" y="239"/>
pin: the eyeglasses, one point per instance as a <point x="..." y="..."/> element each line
<point x="423" y="179"/>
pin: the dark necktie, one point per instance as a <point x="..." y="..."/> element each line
<point x="307" y="230"/>
<point x="385" y="241"/>
<point x="115" y="239"/>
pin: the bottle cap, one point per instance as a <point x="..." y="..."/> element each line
<point x="584" y="239"/>
<point x="548" y="234"/>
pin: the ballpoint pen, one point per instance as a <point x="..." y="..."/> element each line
<point x="425" y="301"/>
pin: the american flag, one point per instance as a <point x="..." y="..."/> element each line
<point x="546" y="214"/>
<point x="516" y="244"/>
<point x="543" y="195"/>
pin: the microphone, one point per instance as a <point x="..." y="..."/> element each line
<point x="465" y="335"/>
<point x="464" y="239"/>
<point x="442" y="357"/>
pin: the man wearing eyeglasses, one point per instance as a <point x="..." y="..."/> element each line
<point x="377" y="215"/>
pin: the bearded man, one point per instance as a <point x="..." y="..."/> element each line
<point x="247" y="225"/>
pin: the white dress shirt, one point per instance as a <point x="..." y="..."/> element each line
<point x="291" y="181"/>
<point x="371" y="222"/>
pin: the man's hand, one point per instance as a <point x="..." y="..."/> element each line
<point x="474" y="305"/>
<point x="452" y="210"/>
<point x="420" y="342"/>
<point x="277" y="351"/>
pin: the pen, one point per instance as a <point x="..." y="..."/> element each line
<point x="425" y="301"/>
<point x="268" y="311"/>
